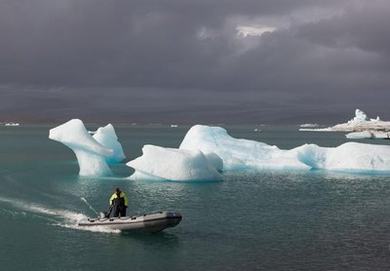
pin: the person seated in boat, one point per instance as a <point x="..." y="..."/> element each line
<point x="118" y="204"/>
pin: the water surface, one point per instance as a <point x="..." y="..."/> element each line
<point x="270" y="220"/>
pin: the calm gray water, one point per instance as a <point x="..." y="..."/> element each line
<point x="251" y="221"/>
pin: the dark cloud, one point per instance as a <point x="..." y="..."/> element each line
<point x="183" y="60"/>
<point x="364" y="27"/>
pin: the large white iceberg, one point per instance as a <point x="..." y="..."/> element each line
<point x="242" y="154"/>
<point x="238" y="154"/>
<point x="159" y="163"/>
<point x="92" y="155"/>
<point x="358" y="123"/>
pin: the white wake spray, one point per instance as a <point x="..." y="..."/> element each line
<point x="69" y="219"/>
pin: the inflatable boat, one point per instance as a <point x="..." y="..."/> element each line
<point x="154" y="222"/>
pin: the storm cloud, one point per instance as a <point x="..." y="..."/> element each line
<point x="193" y="61"/>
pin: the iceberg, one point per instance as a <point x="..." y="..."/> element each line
<point x="351" y="156"/>
<point x="160" y="163"/>
<point x="107" y="137"/>
<point x="92" y="156"/>
<point x="360" y="122"/>
<point x="239" y="154"/>
<point x="207" y="151"/>
<point x="243" y="154"/>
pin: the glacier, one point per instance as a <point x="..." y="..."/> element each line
<point x="160" y="163"/>
<point x="93" y="153"/>
<point x="243" y="154"/>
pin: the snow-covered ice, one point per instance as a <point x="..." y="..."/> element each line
<point x="92" y="156"/>
<point x="242" y="154"/>
<point x="360" y="122"/>
<point x="159" y="163"/>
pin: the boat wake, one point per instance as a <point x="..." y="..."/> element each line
<point x="57" y="217"/>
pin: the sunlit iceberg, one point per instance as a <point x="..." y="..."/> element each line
<point x="242" y="154"/>
<point x="159" y="163"/>
<point x="92" y="156"/>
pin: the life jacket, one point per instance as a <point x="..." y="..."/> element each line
<point x="121" y="200"/>
<point x="118" y="200"/>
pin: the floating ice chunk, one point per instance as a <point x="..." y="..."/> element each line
<point x="380" y="134"/>
<point x="12" y="124"/>
<point x="359" y="135"/>
<point x="241" y="154"/>
<point x="238" y="154"/>
<point x="90" y="154"/>
<point x="368" y="135"/>
<point x="309" y="125"/>
<point x="350" y="156"/>
<point x="107" y="137"/>
<point x="159" y="163"/>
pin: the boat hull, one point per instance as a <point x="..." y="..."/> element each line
<point x="154" y="222"/>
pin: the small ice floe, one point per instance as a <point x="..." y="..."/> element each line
<point x="174" y="126"/>
<point x="12" y="124"/>
<point x="368" y="135"/>
<point x="309" y="125"/>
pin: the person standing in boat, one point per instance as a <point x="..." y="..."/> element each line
<point x="118" y="204"/>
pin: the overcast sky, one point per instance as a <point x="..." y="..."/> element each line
<point x="249" y="61"/>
